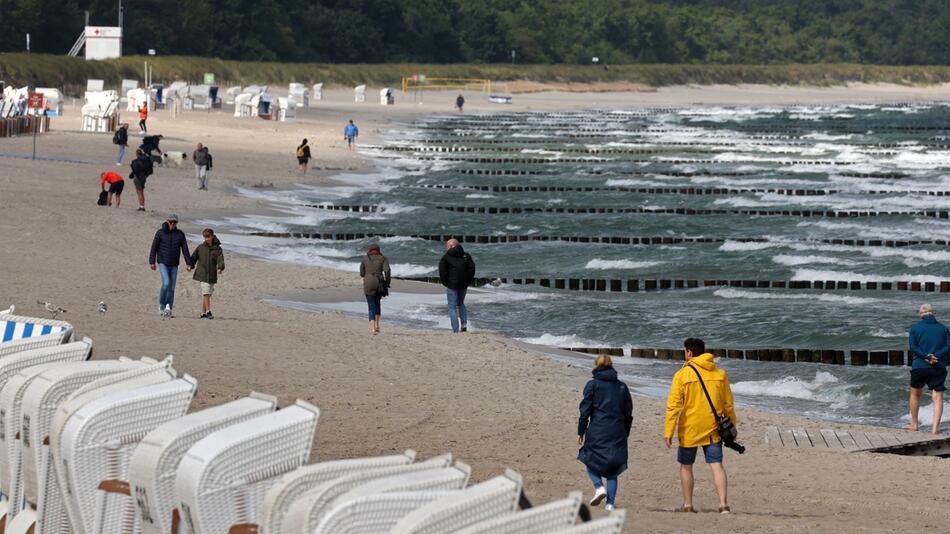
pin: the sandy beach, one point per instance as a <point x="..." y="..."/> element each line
<point x="492" y="402"/>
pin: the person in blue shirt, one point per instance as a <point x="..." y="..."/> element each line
<point x="929" y="344"/>
<point x="350" y="133"/>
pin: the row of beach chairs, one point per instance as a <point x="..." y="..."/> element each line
<point x="109" y="446"/>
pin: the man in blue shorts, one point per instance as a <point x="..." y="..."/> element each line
<point x="929" y="344"/>
<point x="688" y="412"/>
<point x="350" y="133"/>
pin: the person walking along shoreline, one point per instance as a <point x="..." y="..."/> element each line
<point x="208" y="259"/>
<point x="303" y="156"/>
<point x="376" y="274"/>
<point x="168" y="246"/>
<point x="929" y="343"/>
<point x="121" y="138"/>
<point x="689" y="414"/>
<point x="606" y="416"/>
<point x="202" y="159"/>
<point x="456" y="271"/>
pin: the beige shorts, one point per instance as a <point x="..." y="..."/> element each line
<point x="206" y="288"/>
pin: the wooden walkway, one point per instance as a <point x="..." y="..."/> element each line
<point x="896" y="441"/>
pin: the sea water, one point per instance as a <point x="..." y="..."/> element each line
<point x="902" y="147"/>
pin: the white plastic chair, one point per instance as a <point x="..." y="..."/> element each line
<point x="341" y="514"/>
<point x="492" y="498"/>
<point x="155" y="461"/>
<point x="51" y="508"/>
<point x="290" y="486"/>
<point x="612" y="524"/>
<point x="222" y="479"/>
<point x="309" y="507"/>
<point x="16" y="374"/>
<point x="377" y="513"/>
<point x="538" y="520"/>
<point x="96" y="442"/>
<point x="40" y="401"/>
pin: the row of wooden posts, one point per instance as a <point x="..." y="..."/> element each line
<point x="827" y="356"/>
<point x="539" y="161"/>
<point x="634" y="285"/>
<point x="702" y="141"/>
<point x="671" y="190"/>
<point x="23" y="125"/>
<point x="661" y="172"/>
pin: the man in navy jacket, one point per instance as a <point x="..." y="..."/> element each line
<point x="168" y="244"/>
<point x="929" y="344"/>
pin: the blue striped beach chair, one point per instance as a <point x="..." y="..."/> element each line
<point x="44" y="332"/>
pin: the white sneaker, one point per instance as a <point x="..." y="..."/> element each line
<point x="609" y="508"/>
<point x="167" y="313"/>
<point x="599" y="495"/>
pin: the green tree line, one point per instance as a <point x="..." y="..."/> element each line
<point x="886" y="32"/>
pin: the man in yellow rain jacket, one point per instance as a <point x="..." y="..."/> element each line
<point x="688" y="411"/>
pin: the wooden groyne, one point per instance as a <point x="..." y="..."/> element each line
<point x="789" y="355"/>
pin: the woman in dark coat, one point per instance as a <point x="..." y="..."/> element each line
<point x="603" y="428"/>
<point x="376" y="277"/>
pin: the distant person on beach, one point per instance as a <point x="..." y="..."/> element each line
<point x="688" y="412"/>
<point x="167" y="244"/>
<point x="456" y="271"/>
<point x="208" y="259"/>
<point x="303" y="156"/>
<point x="121" y="138"/>
<point x="603" y="428"/>
<point x="202" y="159"/>
<point x="142" y="168"/>
<point x="350" y="133"/>
<point x="116" y="184"/>
<point x="150" y="144"/>
<point x="459" y="102"/>
<point x="929" y="343"/>
<point x="376" y="278"/>
<point x="143" y="116"/>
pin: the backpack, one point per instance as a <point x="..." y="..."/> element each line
<point x="115" y="138"/>
<point x="103" y="196"/>
<point x="300" y="152"/>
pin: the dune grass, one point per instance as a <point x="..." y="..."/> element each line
<point x="70" y="74"/>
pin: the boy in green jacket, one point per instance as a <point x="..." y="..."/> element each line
<point x="208" y="259"/>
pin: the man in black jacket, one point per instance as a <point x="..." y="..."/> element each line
<point x="456" y="270"/>
<point x="121" y="138"/>
<point x="142" y="168"/>
<point x="168" y="243"/>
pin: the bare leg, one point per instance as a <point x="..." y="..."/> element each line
<point x="938" y="411"/>
<point x="721" y="481"/>
<point x="205" y="303"/>
<point x="914" y="409"/>
<point x="686" y="482"/>
<point x="108" y="199"/>
<point x="378" y="317"/>
<point x="118" y="200"/>
<point x="372" y="326"/>
<point x="141" y="194"/>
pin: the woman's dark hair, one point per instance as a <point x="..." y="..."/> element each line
<point x="304" y="142"/>
<point x="695" y="345"/>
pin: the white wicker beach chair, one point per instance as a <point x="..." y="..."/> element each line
<point x="492" y="498"/>
<point x="45" y="331"/>
<point x="308" y="508"/>
<point x="16" y="374"/>
<point x="346" y="513"/>
<point x="290" y="486"/>
<point x="8" y="311"/>
<point x="612" y="524"/>
<point x="538" y="520"/>
<point x="40" y="401"/>
<point x="52" y="512"/>
<point x="155" y="461"/>
<point x="372" y="514"/>
<point x="95" y="444"/>
<point x="222" y="479"/>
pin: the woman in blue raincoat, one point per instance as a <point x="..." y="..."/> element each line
<point x="606" y="415"/>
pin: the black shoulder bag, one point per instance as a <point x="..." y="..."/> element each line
<point x="727" y="431"/>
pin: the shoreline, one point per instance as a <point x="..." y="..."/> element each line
<point x="490" y="402"/>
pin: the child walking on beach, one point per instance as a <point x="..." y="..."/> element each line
<point x="208" y="259"/>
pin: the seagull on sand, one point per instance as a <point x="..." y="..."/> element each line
<point x="54" y="310"/>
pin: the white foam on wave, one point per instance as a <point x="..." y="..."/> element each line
<point x="816" y="274"/>
<point x="791" y="260"/>
<point x="409" y="269"/>
<point x="825" y="387"/>
<point x="732" y="293"/>
<point x="552" y="340"/>
<point x="739" y="246"/>
<point x="608" y="265"/>
<point x="479" y="195"/>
